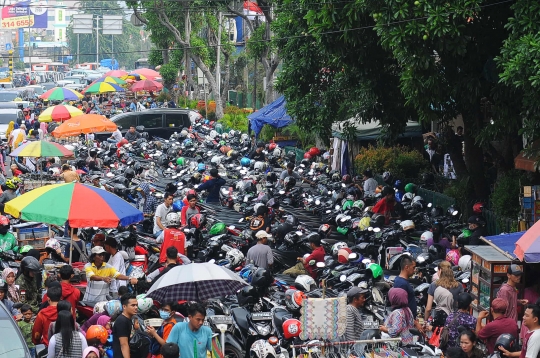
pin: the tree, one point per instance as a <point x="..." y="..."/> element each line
<point x="126" y="46"/>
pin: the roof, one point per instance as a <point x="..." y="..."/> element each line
<point x="505" y="242"/>
<point x="372" y="129"/>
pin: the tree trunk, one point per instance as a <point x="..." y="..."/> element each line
<point x="165" y="55"/>
<point x="474" y="158"/>
<point x="226" y="79"/>
<point x="212" y="83"/>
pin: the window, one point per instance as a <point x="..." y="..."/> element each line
<point x="60" y="15"/>
<point x="126" y="121"/>
<point x="50" y="18"/>
<point x="152" y="120"/>
<point x="60" y="33"/>
<point x="68" y="18"/>
<point x="176" y="120"/>
<point x="12" y="342"/>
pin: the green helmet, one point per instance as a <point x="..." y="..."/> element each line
<point x="222" y="142"/>
<point x="347" y="205"/>
<point x="466" y="233"/>
<point x="342" y="230"/>
<point x="410" y="188"/>
<point x="218" y="229"/>
<point x="359" y="204"/>
<point x="25" y="249"/>
<point x="376" y="270"/>
<point x="181" y="161"/>
<point x="15" y="249"/>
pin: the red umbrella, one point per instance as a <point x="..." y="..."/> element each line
<point x="148" y="73"/>
<point x="146" y="85"/>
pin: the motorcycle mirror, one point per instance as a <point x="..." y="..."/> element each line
<point x="282" y="192"/>
<point x="320" y="264"/>
<point x="342" y="278"/>
<point x="429" y="205"/>
<point x="377" y="229"/>
<point x="212" y="261"/>
<point x="353" y="256"/>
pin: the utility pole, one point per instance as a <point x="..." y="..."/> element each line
<point x="97" y="39"/>
<point x="218" y="56"/>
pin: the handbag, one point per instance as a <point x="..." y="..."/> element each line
<point x="436" y="337"/>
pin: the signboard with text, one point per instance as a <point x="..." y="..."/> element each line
<point x="25" y="14"/>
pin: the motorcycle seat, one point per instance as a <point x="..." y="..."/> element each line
<point x="328" y="242"/>
<point x="280" y="316"/>
<point x="240" y="316"/>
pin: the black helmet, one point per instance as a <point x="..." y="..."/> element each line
<point x="30" y="263"/>
<point x="289" y="182"/>
<point x="260" y="145"/>
<point x="437" y="228"/>
<point x="506" y="341"/>
<point x="324" y="230"/>
<point x="246" y="296"/>
<point x="291" y="220"/>
<point x="291" y="156"/>
<point x="437" y="252"/>
<point x="464" y="300"/>
<point x="129" y="173"/>
<point x="262" y="278"/>
<point x="436" y="211"/>
<point x="306" y="162"/>
<point x="4" y="286"/>
<point x="81" y="163"/>
<point x="291" y="238"/>
<point x="271" y="177"/>
<point x="119" y="189"/>
<point x="283" y="229"/>
<point x="377" y="220"/>
<point x="347" y="179"/>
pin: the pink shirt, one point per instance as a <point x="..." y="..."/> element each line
<point x="509" y="294"/>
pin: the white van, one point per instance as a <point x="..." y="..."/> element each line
<point x="7" y="115"/>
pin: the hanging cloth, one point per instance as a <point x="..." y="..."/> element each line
<point x="323" y="318"/>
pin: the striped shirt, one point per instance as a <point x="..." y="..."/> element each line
<point x="354" y="324"/>
<point x="105" y="270"/>
<point x="96" y="291"/>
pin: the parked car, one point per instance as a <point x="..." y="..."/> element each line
<point x="7" y="115"/>
<point x="13" y="343"/>
<point x="8" y="96"/>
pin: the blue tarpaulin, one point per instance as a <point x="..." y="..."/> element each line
<point x="506" y="242"/>
<point x="274" y="114"/>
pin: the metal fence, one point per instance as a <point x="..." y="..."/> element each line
<point x="497" y="225"/>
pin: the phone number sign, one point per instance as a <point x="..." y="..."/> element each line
<point x="18" y="22"/>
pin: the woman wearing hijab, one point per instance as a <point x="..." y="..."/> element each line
<point x="8" y="275"/>
<point x="10" y="128"/>
<point x="401" y="320"/>
<point x="105" y="322"/>
<point x="91" y="352"/>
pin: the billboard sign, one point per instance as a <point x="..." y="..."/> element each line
<point x="25" y="14"/>
<point x="83" y="23"/>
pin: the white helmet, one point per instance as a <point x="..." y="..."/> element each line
<point x="52" y="244"/>
<point x="464" y="263"/>
<point x="213" y="134"/>
<point x="426" y="236"/>
<point x="338" y="246"/>
<point x="225" y="135"/>
<point x="144" y="303"/>
<point x="232" y="133"/>
<point x="407" y="225"/>
<point x="261" y="166"/>
<point x="172" y="219"/>
<point x="262" y="349"/>
<point x="244" y="137"/>
<point x="407" y="197"/>
<point x="234" y="256"/>
<point x="305" y="283"/>
<point x="277" y="152"/>
<point x="100" y="307"/>
<point x="184" y="133"/>
<point x="216" y="160"/>
<point x="113" y="307"/>
<point x="69" y="147"/>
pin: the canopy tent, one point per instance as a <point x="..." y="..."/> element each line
<point x="528" y="246"/>
<point x="274" y="114"/>
<point x="372" y="130"/>
<point x="505" y="242"/>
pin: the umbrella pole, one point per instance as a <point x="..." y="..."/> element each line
<point x="223" y="341"/>
<point x="70" y="244"/>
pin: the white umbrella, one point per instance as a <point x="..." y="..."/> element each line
<point x="195" y="282"/>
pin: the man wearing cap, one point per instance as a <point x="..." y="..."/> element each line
<point x="500" y="324"/>
<point x="99" y="276"/>
<point x="96" y="183"/>
<point x="356" y="297"/>
<point x="477" y="226"/>
<point x="261" y="254"/>
<point x="508" y="291"/>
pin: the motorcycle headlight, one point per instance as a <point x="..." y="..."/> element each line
<point x="263" y="329"/>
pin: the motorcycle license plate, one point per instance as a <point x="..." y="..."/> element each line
<point x="370" y="324"/>
<point x="221" y="319"/>
<point x="261" y="316"/>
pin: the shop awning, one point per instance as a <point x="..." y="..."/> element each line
<point x="505" y="242"/>
<point x="520" y="162"/>
<point x="528" y="246"/>
<point x="274" y="114"/>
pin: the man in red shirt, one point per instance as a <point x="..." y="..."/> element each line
<point x="69" y="292"/>
<point x="385" y="206"/>
<point x="508" y="291"/>
<point x="500" y="324"/>
<point x="307" y="265"/>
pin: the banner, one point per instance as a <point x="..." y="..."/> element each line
<point x="25" y="14"/>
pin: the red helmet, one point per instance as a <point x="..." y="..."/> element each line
<point x="307" y="155"/>
<point x="3" y="220"/>
<point x="314" y="151"/>
<point x="292" y="328"/>
<point x="343" y="255"/>
<point x="97" y="332"/>
<point x="224" y="149"/>
<point x="346" y="179"/>
<point x="121" y="143"/>
<point x="191" y="191"/>
<point x="272" y="146"/>
<point x="477" y="208"/>
<point x="198" y="221"/>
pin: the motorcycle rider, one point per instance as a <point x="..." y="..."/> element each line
<point x="261" y="220"/>
<point x="161" y="214"/>
<point x="116" y="260"/>
<point x="174" y="258"/>
<point x="7" y="239"/>
<point x="351" y="187"/>
<point x="258" y="155"/>
<point x="370" y="184"/>
<point x="27" y="282"/>
<point x="305" y="266"/>
<point x="385" y="206"/>
<point x="132" y="135"/>
<point x="356" y="297"/>
<point x="172" y="236"/>
<point x="9" y="193"/>
<point x="212" y="186"/>
<point x="477" y="226"/>
<point x="289" y="173"/>
<point x="189" y="210"/>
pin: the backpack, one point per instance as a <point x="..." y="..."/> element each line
<point x="155" y="348"/>
<point x="139" y="344"/>
<point x="445" y="333"/>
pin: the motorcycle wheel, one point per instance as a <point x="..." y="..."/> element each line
<point x="233" y="352"/>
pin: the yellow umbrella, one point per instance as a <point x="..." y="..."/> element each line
<point x="59" y="113"/>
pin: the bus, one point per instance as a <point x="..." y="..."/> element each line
<point x="143" y="63"/>
<point x="51" y="66"/>
<point x="88" y="66"/>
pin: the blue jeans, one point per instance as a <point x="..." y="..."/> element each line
<point x="110" y="140"/>
<point x="32" y="352"/>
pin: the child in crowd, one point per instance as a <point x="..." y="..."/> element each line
<point x="26" y="325"/>
<point x="170" y="350"/>
<point x="15" y="170"/>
